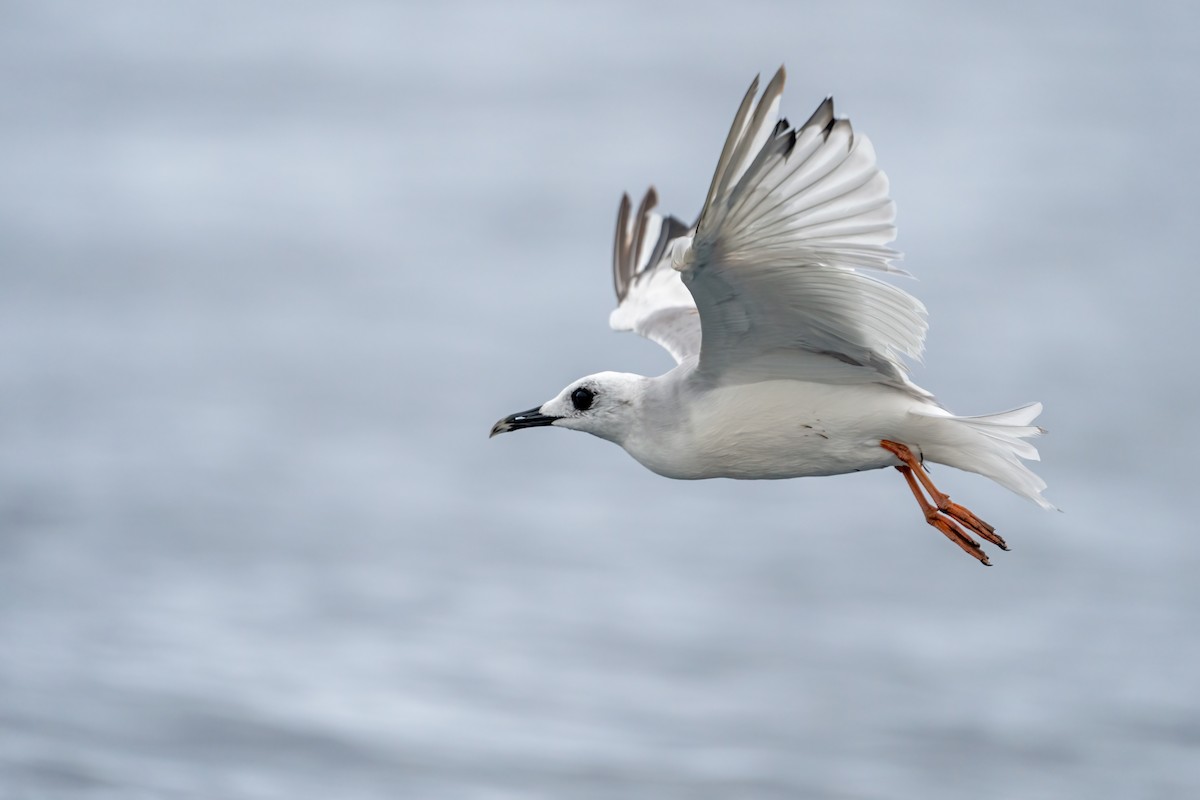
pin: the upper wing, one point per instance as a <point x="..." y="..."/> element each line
<point x="651" y="297"/>
<point x="774" y="265"/>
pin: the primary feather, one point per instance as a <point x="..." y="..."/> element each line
<point x="774" y="267"/>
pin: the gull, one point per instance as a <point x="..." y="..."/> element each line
<point x="789" y="353"/>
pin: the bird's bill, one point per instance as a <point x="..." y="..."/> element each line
<point x="533" y="418"/>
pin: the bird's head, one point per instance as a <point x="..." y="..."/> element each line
<point x="604" y="405"/>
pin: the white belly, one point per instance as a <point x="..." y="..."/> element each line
<point x="776" y="429"/>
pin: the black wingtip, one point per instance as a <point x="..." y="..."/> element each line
<point x="622" y="268"/>
<point x="649" y="201"/>
<point x="822" y="117"/>
<point x="791" y="144"/>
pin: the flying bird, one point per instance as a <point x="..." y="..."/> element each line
<point x="790" y="353"/>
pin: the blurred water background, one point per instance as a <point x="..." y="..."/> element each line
<point x="269" y="271"/>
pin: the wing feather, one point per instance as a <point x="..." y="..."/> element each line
<point x="651" y="298"/>
<point x="775" y="263"/>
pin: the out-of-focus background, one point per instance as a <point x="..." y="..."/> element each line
<point x="270" y="271"/>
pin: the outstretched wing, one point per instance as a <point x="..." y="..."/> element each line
<point x="775" y="265"/>
<point x="651" y="297"/>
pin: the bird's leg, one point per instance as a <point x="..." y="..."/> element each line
<point x="942" y="500"/>
<point x="947" y="526"/>
<point x="953" y="511"/>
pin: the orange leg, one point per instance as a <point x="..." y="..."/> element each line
<point x="946" y="516"/>
<point x="946" y="525"/>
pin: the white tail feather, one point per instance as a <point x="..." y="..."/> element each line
<point x="991" y="445"/>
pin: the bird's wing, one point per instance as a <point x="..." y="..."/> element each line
<point x="775" y="265"/>
<point x="651" y="298"/>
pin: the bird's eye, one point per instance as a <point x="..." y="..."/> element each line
<point x="582" y="399"/>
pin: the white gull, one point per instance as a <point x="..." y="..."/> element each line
<point x="789" y="355"/>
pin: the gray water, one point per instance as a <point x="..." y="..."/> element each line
<point x="270" y="271"/>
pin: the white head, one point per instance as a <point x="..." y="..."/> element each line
<point x="605" y="404"/>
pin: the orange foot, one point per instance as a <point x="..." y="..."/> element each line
<point x="949" y="518"/>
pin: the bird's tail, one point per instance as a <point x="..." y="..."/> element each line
<point x="992" y="445"/>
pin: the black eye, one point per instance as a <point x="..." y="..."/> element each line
<point x="582" y="398"/>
